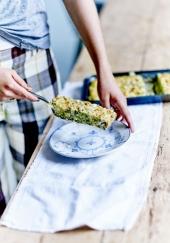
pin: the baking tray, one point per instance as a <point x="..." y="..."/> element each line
<point x="149" y="99"/>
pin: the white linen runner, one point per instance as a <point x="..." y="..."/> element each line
<point x="105" y="193"/>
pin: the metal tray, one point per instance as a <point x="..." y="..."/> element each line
<point x="132" y="100"/>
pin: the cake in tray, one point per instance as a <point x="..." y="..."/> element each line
<point x="131" y="86"/>
<point x="162" y="84"/>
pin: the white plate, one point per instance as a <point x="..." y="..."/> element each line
<point x="83" y="141"/>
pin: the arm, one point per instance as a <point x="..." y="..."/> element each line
<point x="85" y="17"/>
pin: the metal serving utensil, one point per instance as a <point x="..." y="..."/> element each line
<point x="41" y="98"/>
<point x="44" y="99"/>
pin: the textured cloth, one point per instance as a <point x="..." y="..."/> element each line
<point x="23" y="121"/>
<point x="24" y="23"/>
<point x="4" y="44"/>
<point x="7" y="173"/>
<point x="105" y="193"/>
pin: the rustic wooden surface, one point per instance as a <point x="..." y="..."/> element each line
<point x="137" y="36"/>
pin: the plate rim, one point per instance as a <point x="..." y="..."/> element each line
<point x="88" y="156"/>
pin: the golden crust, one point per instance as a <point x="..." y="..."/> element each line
<point x="163" y="83"/>
<point x="82" y="112"/>
<point x="130" y="85"/>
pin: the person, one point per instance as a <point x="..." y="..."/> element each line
<point x="26" y="64"/>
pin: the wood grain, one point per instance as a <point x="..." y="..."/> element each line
<point x="79" y="235"/>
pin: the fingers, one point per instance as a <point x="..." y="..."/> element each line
<point x="120" y="108"/>
<point x="121" y="105"/>
<point x="105" y="102"/>
<point x="20" y="81"/>
<point x="4" y="98"/>
<point x="8" y="95"/>
<point x="12" y="89"/>
<point x="110" y="94"/>
<point x="118" y="112"/>
<point x="13" y="86"/>
<point x="16" y="90"/>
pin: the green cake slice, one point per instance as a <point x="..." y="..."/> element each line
<point x="162" y="85"/>
<point x="82" y="112"/>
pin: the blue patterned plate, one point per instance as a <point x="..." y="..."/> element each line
<point x="83" y="141"/>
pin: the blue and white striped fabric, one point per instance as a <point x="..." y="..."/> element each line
<point x="23" y="121"/>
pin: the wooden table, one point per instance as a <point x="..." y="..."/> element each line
<point x="137" y="36"/>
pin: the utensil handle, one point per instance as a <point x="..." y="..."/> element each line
<point x="40" y="97"/>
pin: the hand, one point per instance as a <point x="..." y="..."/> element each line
<point x="111" y="96"/>
<point x="12" y="86"/>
